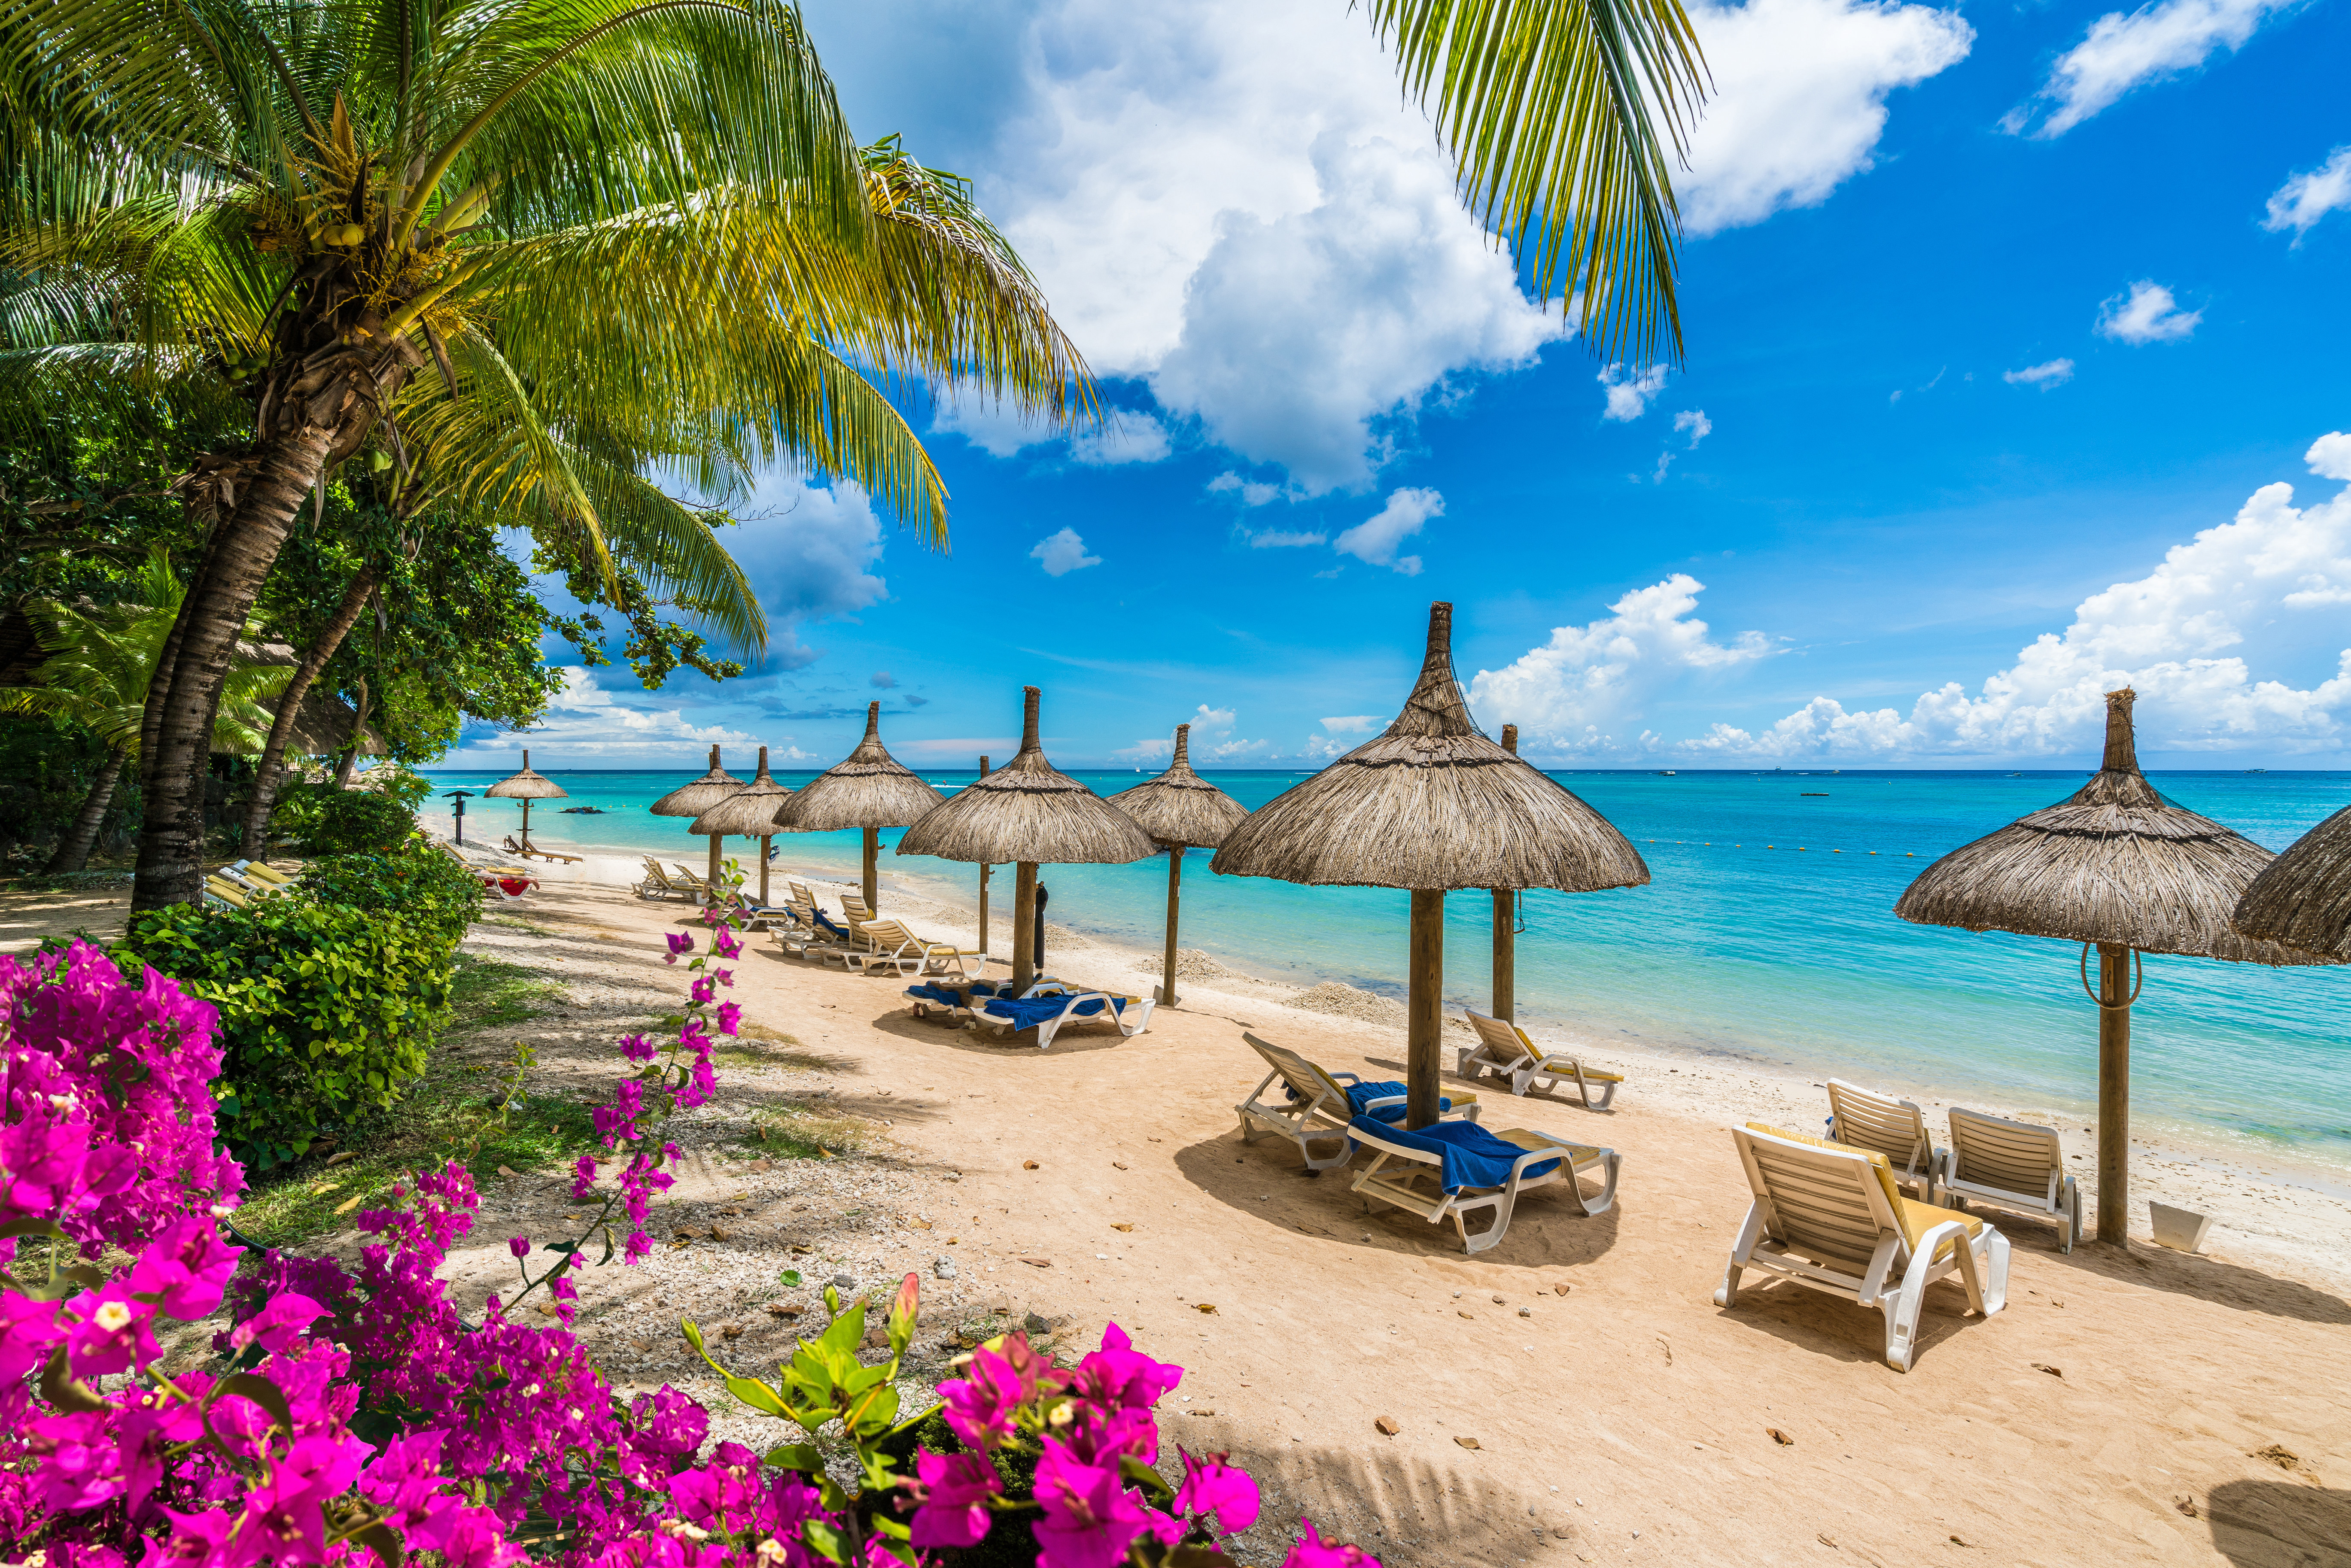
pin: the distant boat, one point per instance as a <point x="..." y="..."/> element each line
<point x="2016" y="776"/>
<point x="2257" y="770"/>
<point x="1814" y="794"/>
<point x="1665" y="773"/>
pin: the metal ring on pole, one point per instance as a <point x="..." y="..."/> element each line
<point x="2138" y="980"/>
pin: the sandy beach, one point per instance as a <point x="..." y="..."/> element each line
<point x="1572" y="1395"/>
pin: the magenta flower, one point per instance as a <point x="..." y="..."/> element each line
<point x="679" y="942"/>
<point x="724" y="943"/>
<point x="703" y="990"/>
<point x="952" y="1491"/>
<point x="1313" y="1552"/>
<point x="1090" y="1515"/>
<point x="519" y="1246"/>
<point x="980" y="1405"/>
<point x="1211" y="1486"/>
<point x="583" y="1175"/>
<point x="1120" y="1376"/>
<point x="278" y="1324"/>
<point x="637" y="1047"/>
<point x="730" y="1016"/>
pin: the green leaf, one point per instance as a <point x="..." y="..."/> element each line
<point x="805" y="1458"/>
<point x="757" y="1395"/>
<point x="792" y="1279"/>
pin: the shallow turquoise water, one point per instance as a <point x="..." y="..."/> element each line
<point x="1789" y="954"/>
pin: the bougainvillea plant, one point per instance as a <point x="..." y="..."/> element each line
<point x="349" y="1416"/>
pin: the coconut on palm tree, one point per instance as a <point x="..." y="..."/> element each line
<point x="603" y="231"/>
<point x="96" y="673"/>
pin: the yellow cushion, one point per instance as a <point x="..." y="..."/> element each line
<point x="1915" y="1217"/>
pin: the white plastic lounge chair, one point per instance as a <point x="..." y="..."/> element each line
<point x="526" y="850"/>
<point x="1313" y="1108"/>
<point x="1408" y="1177"/>
<point x="2017" y="1164"/>
<point x="1895" y="1128"/>
<point x="1505" y="1051"/>
<point x="1830" y="1215"/>
<point x="227" y="892"/>
<point x="693" y="887"/>
<point x="491" y="875"/>
<point x="897" y="950"/>
<point x="1130" y="1015"/>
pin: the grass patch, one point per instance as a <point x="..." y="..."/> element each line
<point x="524" y="926"/>
<point x="807" y="1135"/>
<point x="493" y="994"/>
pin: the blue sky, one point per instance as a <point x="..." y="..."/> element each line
<point x="2015" y="348"/>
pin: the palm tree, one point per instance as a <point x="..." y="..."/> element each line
<point x="99" y="664"/>
<point x="1553" y="109"/>
<point x="597" y="234"/>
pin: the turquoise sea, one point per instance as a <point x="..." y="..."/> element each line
<point x="1766" y="933"/>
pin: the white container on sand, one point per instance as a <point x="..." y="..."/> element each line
<point x="2183" y="1229"/>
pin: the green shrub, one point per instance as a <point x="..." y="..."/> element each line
<point x="328" y="820"/>
<point x="413" y="881"/>
<point x="330" y="995"/>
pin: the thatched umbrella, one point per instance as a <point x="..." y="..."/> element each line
<point x="525" y="786"/>
<point x="1030" y="813"/>
<point x="693" y="799"/>
<point x="2114" y="866"/>
<point x="2302" y="898"/>
<point x="749" y="812"/>
<point x="868" y="789"/>
<point x="1180" y="810"/>
<point x="1431" y="805"/>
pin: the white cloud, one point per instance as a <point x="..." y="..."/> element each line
<point x="2121" y="52"/>
<point x="1233" y="750"/>
<point x="1212" y="720"/>
<point x="1695" y="421"/>
<point x="1630" y="391"/>
<point x="1374" y="540"/>
<point x="2307" y="197"/>
<point x="1800" y="99"/>
<point x="1252" y="492"/>
<point x="585" y="723"/>
<point x="1126" y="438"/>
<point x="996" y="428"/>
<point x="2048" y="375"/>
<point x="2148" y="314"/>
<point x="1587" y="679"/>
<point x="1150" y="748"/>
<point x="1062" y="553"/>
<point x="1275" y="539"/>
<point x="1353" y="723"/>
<point x="882" y="681"/>
<point x="2209" y="638"/>
<point x="808" y="551"/>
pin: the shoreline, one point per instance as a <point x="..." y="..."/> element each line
<point x="2271" y="1210"/>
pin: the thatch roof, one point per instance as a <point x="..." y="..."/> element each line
<point x="1432" y="804"/>
<point x="526" y="786"/>
<point x="1179" y="806"/>
<point x="2114" y="864"/>
<point x="749" y="812"/>
<point x="1027" y="811"/>
<point x="866" y="789"/>
<point x="322" y="725"/>
<point x="693" y="799"/>
<point x="2302" y="898"/>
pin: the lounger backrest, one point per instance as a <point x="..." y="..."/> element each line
<point x="1829" y="1202"/>
<point x="1308" y="1081"/>
<point x="853" y="908"/>
<point x="890" y="934"/>
<point x="1896" y="1128"/>
<point x="2011" y="1157"/>
<point x="1502" y="1042"/>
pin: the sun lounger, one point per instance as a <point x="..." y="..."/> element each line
<point x="1316" y="1106"/>
<point x="1452" y="1169"/>
<point x="225" y="891"/>
<point x="1504" y="1049"/>
<point x="810" y="933"/>
<point x="656" y="882"/>
<point x="1830" y="1215"/>
<point x="2017" y="1164"/>
<point x="526" y="850"/>
<point x="959" y="998"/>
<point x="1049" y="1008"/>
<point x="695" y="888"/>
<point x="505" y="883"/>
<point x="1895" y="1128"/>
<point x="899" y="951"/>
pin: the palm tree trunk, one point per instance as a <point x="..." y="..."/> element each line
<point x="73" y="850"/>
<point x="171" y="834"/>
<point x="351" y="761"/>
<point x="273" y="753"/>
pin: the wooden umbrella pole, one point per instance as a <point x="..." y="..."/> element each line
<point x="526" y="822"/>
<point x="1175" y="905"/>
<point x="1024" y="913"/>
<point x="717" y="841"/>
<point x="872" y="873"/>
<point x="1423" y="1009"/>
<point x="1505" y="941"/>
<point x="2114" y="1094"/>
<point x="763" y="871"/>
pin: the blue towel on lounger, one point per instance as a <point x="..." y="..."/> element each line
<point x="939" y="994"/>
<point x="1468" y="1154"/>
<point x="1361" y="1095"/>
<point x="1028" y="1012"/>
<point x="826" y="925"/>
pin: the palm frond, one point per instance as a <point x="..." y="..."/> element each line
<point x="1553" y="109"/>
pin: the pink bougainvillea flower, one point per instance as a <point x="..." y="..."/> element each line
<point x="1090" y="1515"/>
<point x="519" y="1246"/>
<point x="724" y="943"/>
<point x="679" y="942"/>
<point x="952" y="1491"/>
<point x="1120" y="1376"/>
<point x="730" y="1016"/>
<point x="1313" y="1552"/>
<point x="1211" y="1486"/>
<point x="703" y="990"/>
<point x="980" y="1405"/>
<point x="278" y="1324"/>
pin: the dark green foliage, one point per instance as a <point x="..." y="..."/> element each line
<point x="330" y="995"/>
<point x="47" y="767"/>
<point x="1011" y="1539"/>
<point x="347" y="821"/>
